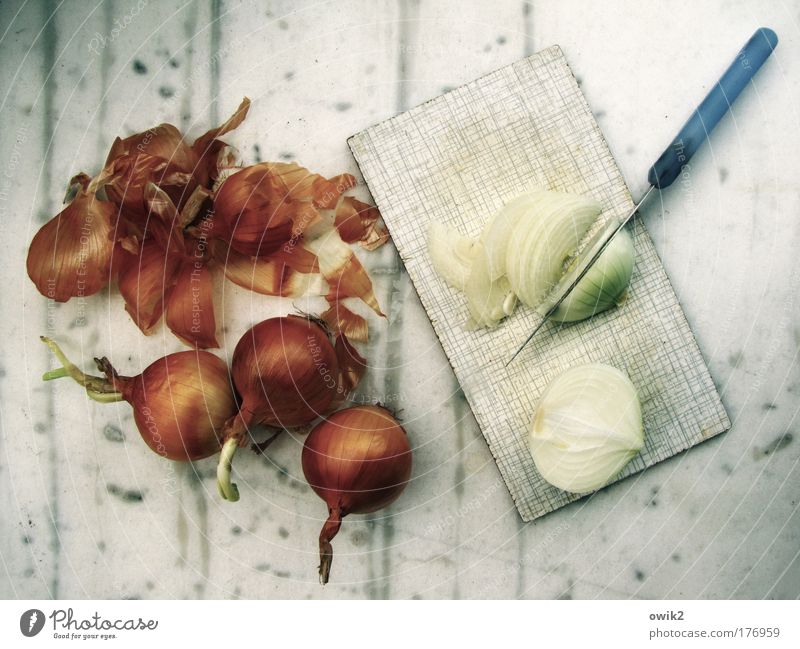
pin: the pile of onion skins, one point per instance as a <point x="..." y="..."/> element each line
<point x="158" y="220"/>
<point x="163" y="216"/>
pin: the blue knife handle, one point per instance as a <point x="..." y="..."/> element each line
<point x="717" y="102"/>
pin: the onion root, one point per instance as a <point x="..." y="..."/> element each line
<point x="329" y="530"/>
<point x="227" y="489"/>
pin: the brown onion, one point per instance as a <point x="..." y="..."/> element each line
<point x="358" y="460"/>
<point x="287" y="373"/>
<point x="180" y="402"/>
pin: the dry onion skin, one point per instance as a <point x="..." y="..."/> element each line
<point x="165" y="215"/>
<point x="161" y="155"/>
<point x="259" y="209"/>
<point x="180" y="402"/>
<point x="70" y="254"/>
<point x="587" y="427"/>
<point x="357" y="460"/>
<point x="522" y="253"/>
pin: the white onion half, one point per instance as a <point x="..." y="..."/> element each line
<point x="587" y="427"/>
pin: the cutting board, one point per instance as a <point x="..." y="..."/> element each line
<point x="457" y="159"/>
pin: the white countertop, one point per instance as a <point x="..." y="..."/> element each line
<point x="88" y="511"/>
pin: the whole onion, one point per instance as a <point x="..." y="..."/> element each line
<point x="287" y="373"/>
<point x="358" y="460"/>
<point x="180" y="402"/>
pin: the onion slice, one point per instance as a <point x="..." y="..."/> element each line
<point x="451" y="253"/>
<point x="497" y="233"/>
<point x="522" y="251"/>
<point x="604" y="285"/>
<point x="489" y="301"/>
<point x="540" y="246"/>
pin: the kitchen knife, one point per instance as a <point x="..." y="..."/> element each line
<point x="671" y="163"/>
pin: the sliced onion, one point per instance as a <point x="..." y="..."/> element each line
<point x="451" y="253"/>
<point x="522" y="252"/>
<point x="496" y="235"/>
<point x="539" y="247"/>
<point x="605" y="284"/>
<point x="489" y="301"/>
